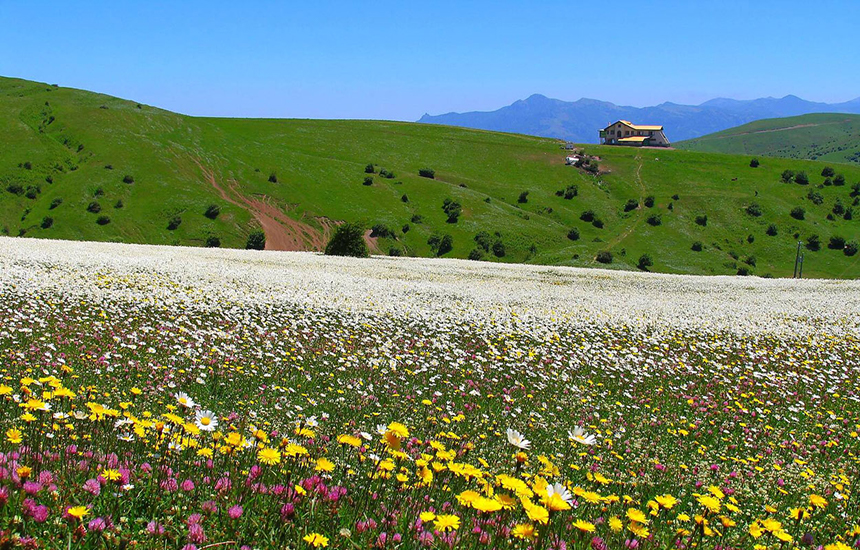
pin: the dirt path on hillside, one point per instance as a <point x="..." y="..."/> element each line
<point x="282" y="231"/>
<point x="638" y="179"/>
<point x="779" y="129"/>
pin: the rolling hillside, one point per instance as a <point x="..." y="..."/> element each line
<point x="830" y="137"/>
<point x="84" y="166"/>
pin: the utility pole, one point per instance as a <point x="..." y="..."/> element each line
<point x="797" y="258"/>
<point x="800" y="274"/>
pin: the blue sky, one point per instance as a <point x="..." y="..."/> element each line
<point x="398" y="60"/>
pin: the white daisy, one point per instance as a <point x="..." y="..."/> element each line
<point x="516" y="439"/>
<point x="561" y="491"/>
<point x="206" y="420"/>
<point x="184" y="400"/>
<point x="579" y="435"/>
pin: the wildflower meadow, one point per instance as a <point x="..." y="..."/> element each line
<point x="180" y="398"/>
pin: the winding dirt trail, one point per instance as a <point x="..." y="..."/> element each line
<point x="282" y="231"/>
<point x="639" y="210"/>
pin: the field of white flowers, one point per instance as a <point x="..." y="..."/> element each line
<point x="161" y="397"/>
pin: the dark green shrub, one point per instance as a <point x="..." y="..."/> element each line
<point x="173" y="222"/>
<point x="798" y="213"/>
<point x="815" y="197"/>
<point x="801" y="178"/>
<point x="654" y="220"/>
<point x="855" y="190"/>
<point x="405" y="228"/>
<point x="404" y="198"/>
<point x="828" y="172"/>
<point x="256" y="240"/>
<point x="754" y="163"/>
<point x="427" y="173"/>
<point x="128" y="178"/>
<point x="348" y="240"/>
<point x="645" y="262"/>
<point x="476" y="254"/>
<point x="839" y="180"/>
<point x="47" y="222"/>
<point x="452" y="209"/>
<point x="15" y="188"/>
<point x="850" y="248"/>
<point x="417" y="218"/>
<point x="103" y="220"/>
<point x="382" y="231"/>
<point x="212" y="211"/>
<point x="395" y="252"/>
<point x="750" y="239"/>
<point x="787" y="176"/>
<point x="631" y="204"/>
<point x="98" y="192"/>
<point x="55" y="203"/>
<point x="836" y="243"/>
<point x="573" y="234"/>
<point x="649" y="201"/>
<point x="369" y="169"/>
<point x="499" y="249"/>
<point x="94" y="207"/>
<point x="772" y="230"/>
<point x="754" y="209"/>
<point x="697" y="246"/>
<point x="744" y="271"/>
<point x="849" y="214"/>
<point x="387" y="174"/>
<point x="441" y="245"/>
<point x="273" y="178"/>
<point x="597" y="222"/>
<point x="750" y="260"/>
<point x="838" y="208"/>
<point x="813" y="243"/>
<point x="484" y="240"/>
<point x="523" y="198"/>
<point x="49" y="179"/>
<point x="827" y="182"/>
<point x="604" y="257"/>
<point x="571" y="191"/>
<point x="702" y="220"/>
<point x="213" y="242"/>
<point x="368" y="181"/>
<point x="32" y="192"/>
<point x="118" y="204"/>
<point x="587" y="216"/>
<point x="27" y="165"/>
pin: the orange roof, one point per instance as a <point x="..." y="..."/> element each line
<point x="634" y="139"/>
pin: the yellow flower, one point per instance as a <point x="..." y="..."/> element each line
<point x="484" y="504"/>
<point x="538" y="514"/>
<point x="316" y="540"/>
<point x="293" y="449"/>
<point x="427" y="516"/>
<point x="14" y="435"/>
<point x="837" y="546"/>
<point x="78" y="511"/>
<point x="783" y="536"/>
<point x="666" y="501"/>
<point x="615" y="523"/>
<point x="269" y="456"/>
<point x="350" y="440"/>
<point x="398" y="429"/>
<point x="447" y="522"/>
<point x="771" y="525"/>
<point x="524" y="531"/>
<point x="639" y="530"/>
<point x="636" y="515"/>
<point x="709" y="502"/>
<point x="466" y="498"/>
<point x="324" y="465"/>
<point x="111" y="475"/>
<point x="797" y="513"/>
<point x="584" y="526"/>
<point x="817" y="501"/>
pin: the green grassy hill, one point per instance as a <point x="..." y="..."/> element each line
<point x="77" y="147"/>
<point x="827" y="137"/>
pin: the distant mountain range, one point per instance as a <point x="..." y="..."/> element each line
<point x="579" y="121"/>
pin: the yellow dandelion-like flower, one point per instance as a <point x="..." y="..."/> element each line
<point x="584" y="526"/>
<point x="316" y="540"/>
<point x="78" y="511"/>
<point x="324" y="465"/>
<point x="269" y="456"/>
<point x="447" y="522"/>
<point x="817" y="501"/>
<point x="636" y="515"/>
<point x="14" y="435"/>
<point x="524" y="531"/>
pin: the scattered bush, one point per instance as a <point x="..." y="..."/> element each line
<point x="754" y="163"/>
<point x="697" y="246"/>
<point x="348" y="240"/>
<point x="654" y="220"/>
<point x="597" y="222"/>
<point x="649" y="201"/>
<point x="127" y="178"/>
<point x="772" y="230"/>
<point x="404" y="198"/>
<point x="47" y="222"/>
<point x="849" y="214"/>
<point x="839" y="180"/>
<point x="587" y="216"/>
<point x="55" y="203"/>
<point x="441" y="245"/>
<point x="212" y="211"/>
<point x="850" y="248"/>
<point x="573" y="234"/>
<point x="523" y="198"/>
<point x="645" y="262"/>
<point x="631" y="204"/>
<point x="815" y="197"/>
<point x="382" y="231"/>
<point x="213" y="242"/>
<point x="499" y="249"/>
<point x="256" y="240"/>
<point x="103" y="220"/>
<point x="395" y="252"/>
<point x="813" y="243"/>
<point x="405" y="228"/>
<point x="744" y="271"/>
<point x="49" y="179"/>
<point x="273" y="178"/>
<point x="787" y="176"/>
<point x="427" y="173"/>
<point x="98" y="192"/>
<point x="387" y="174"/>
<point x="94" y="207"/>
<point x="750" y="260"/>
<point x="108" y="166"/>
<point x="828" y="172"/>
<point x="417" y="218"/>
<point x="702" y="220"/>
<point x="369" y="169"/>
<point x="15" y="188"/>
<point x="484" y="240"/>
<point x="798" y="213"/>
<point x="118" y="204"/>
<point x="836" y="243"/>
<point x="801" y="178"/>
<point x="368" y="180"/>
<point x="27" y="165"/>
<point x="174" y="222"/>
<point x="452" y="209"/>
<point x="476" y="254"/>
<point x="838" y="208"/>
<point x="750" y="238"/>
<point x="604" y="257"/>
<point x="855" y="190"/>
<point x="754" y="209"/>
<point x="827" y="182"/>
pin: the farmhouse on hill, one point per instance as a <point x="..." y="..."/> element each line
<point x="624" y="132"/>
